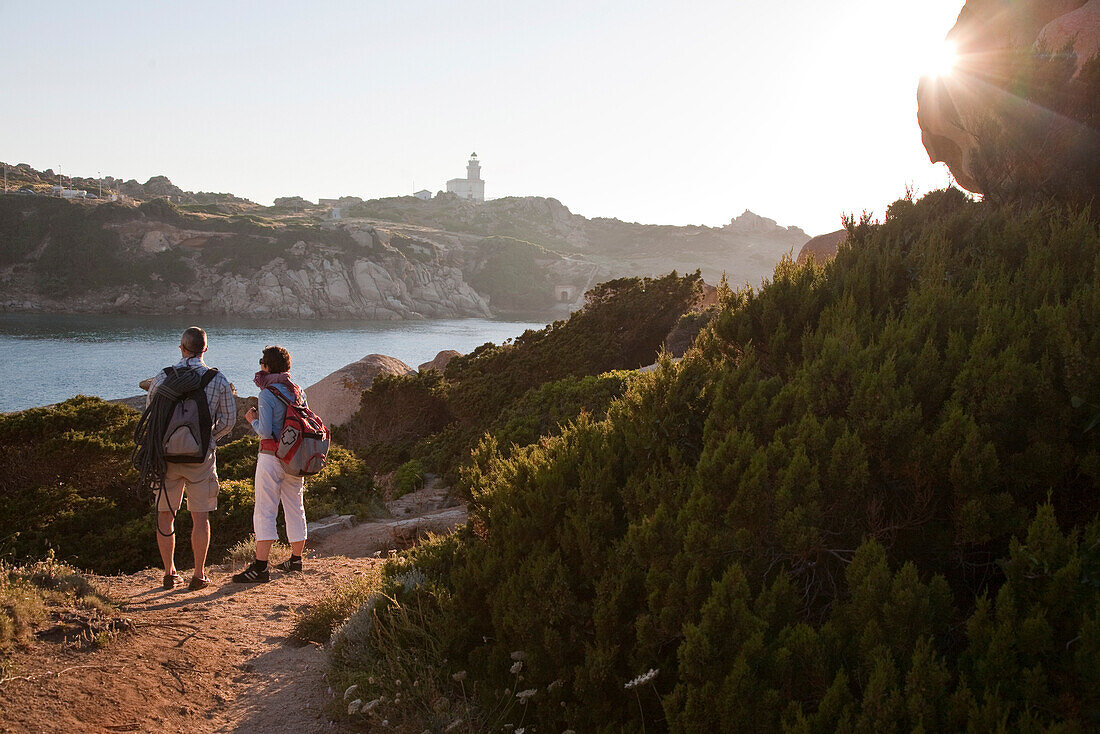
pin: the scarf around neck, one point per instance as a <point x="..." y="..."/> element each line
<point x="266" y="379"/>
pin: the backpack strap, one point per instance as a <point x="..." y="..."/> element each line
<point x="206" y="421"/>
<point x="207" y="377"/>
<point x="283" y="398"/>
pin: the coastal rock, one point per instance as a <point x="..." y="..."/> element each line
<point x="292" y="202"/>
<point x="336" y="397"/>
<point x="823" y="247"/>
<point x="989" y="36"/>
<point x="440" y="362"/>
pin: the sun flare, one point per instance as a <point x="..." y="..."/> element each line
<point x="942" y="59"/>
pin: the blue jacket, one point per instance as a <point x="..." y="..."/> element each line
<point x="273" y="412"/>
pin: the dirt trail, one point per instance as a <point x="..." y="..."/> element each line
<point x="215" y="660"/>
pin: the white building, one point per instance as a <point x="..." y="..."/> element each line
<point x="471" y="187"/>
<point x="424" y="194"/>
<point x="68" y="193"/>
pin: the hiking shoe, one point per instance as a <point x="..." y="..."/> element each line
<point x="172" y="580"/>
<point x="197" y="583"/>
<point x="290" y="565"/>
<point x="251" y="575"/>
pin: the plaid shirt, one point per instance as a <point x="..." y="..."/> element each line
<point x="219" y="396"/>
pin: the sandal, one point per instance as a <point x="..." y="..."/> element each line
<point x="197" y="583"/>
<point x="172" y="580"/>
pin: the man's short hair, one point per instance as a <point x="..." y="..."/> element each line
<point x="277" y="359"/>
<point x="194" y="340"/>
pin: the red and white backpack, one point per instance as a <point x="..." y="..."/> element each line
<point x="302" y="444"/>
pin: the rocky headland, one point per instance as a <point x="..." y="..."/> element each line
<point x="160" y="250"/>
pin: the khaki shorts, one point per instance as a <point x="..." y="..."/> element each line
<point x="201" y="481"/>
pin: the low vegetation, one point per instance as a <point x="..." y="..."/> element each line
<point x="409" y="477"/>
<point x="316" y="623"/>
<point x="866" y="500"/>
<point x="28" y="593"/>
<point x="525" y="387"/>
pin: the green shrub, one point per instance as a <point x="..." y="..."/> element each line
<point x="543" y="410"/>
<point x="440" y="418"/>
<point x="866" y="500"/>
<point x="409" y="477"/>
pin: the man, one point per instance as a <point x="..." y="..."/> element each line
<point x="200" y="480"/>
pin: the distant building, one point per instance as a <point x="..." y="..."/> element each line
<point x="565" y="293"/>
<point x="424" y="194"/>
<point x="471" y="187"/>
<point x="68" y="193"/>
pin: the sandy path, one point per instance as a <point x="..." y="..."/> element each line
<point x="216" y="660"/>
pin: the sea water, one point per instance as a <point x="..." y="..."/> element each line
<point x="47" y="358"/>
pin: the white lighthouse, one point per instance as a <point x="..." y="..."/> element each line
<point x="471" y="187"/>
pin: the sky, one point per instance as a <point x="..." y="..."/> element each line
<point x="653" y="112"/>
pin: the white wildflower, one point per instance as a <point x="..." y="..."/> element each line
<point x="642" y="679"/>
<point x="524" y="695"/>
<point x="349" y="691"/>
<point x="459" y="676"/>
<point x="518" y="655"/>
<point x="411" y="579"/>
<point x="397" y="682"/>
<point x="516" y="667"/>
<point x="354" y="706"/>
<point x="555" y="685"/>
<point x="370" y="705"/>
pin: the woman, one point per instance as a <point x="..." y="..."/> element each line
<point x="273" y="483"/>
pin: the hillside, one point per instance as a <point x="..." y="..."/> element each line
<point x="159" y="249"/>
<point x="866" y="500"/>
<point x="530" y="386"/>
<point x="747" y="249"/>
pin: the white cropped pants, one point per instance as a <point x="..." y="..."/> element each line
<point x="274" y="485"/>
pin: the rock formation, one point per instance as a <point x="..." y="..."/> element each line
<point x="751" y="222"/>
<point x="440" y="362"/>
<point x="292" y="202"/>
<point x="990" y="36"/>
<point x="336" y="398"/>
<point x="822" y="247"/>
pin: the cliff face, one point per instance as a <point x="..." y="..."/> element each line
<point x="158" y="267"/>
<point x="384" y="289"/>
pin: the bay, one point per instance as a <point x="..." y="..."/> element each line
<point x="47" y="358"/>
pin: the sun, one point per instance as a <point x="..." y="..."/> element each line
<point x="941" y="60"/>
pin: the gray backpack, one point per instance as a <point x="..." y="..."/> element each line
<point x="186" y="436"/>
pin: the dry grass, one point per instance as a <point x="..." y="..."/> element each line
<point x="316" y="624"/>
<point x="28" y="593"/>
<point x="243" y="553"/>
